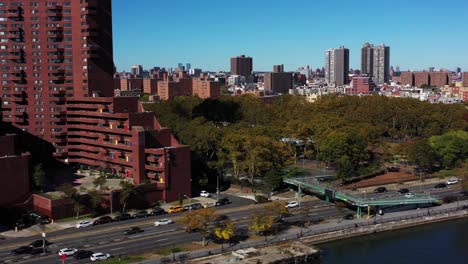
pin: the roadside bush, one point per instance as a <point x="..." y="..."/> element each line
<point x="261" y="199"/>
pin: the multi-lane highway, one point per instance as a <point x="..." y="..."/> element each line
<point x="109" y="238"/>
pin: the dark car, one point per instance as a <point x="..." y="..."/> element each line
<point x="380" y="190"/>
<point x="81" y="254"/>
<point x="21" y="250"/>
<point x="133" y="230"/>
<point x="348" y="217"/>
<point x="393" y="169"/>
<point x="39" y="243"/>
<point x="123" y="217"/>
<point x="140" y="214"/>
<point x="102" y="220"/>
<point x="403" y="191"/>
<point x="193" y="206"/>
<point x="222" y="201"/>
<point x="440" y="185"/>
<point x="157" y="211"/>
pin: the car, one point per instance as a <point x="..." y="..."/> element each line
<point x="122" y="217"/>
<point x="67" y="251"/>
<point x="292" y="204"/>
<point x="99" y="256"/>
<point x="440" y="186"/>
<point x="409" y="195"/>
<point x="222" y="202"/>
<point x="175" y="209"/>
<point x="348" y="217"/>
<point x="193" y="206"/>
<point x="205" y="194"/>
<point x="157" y="211"/>
<point x="102" y="220"/>
<point x="21" y="250"/>
<point x="380" y="190"/>
<point x="81" y="254"/>
<point x="403" y="191"/>
<point x="452" y="181"/>
<point x="161" y="222"/>
<point x="133" y="230"/>
<point x="140" y="214"/>
<point x="84" y="224"/>
<point x="39" y="243"/>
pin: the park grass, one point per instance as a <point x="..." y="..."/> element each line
<point x="124" y="260"/>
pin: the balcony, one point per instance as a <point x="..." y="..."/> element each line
<point x="83" y="147"/>
<point x="82" y="106"/>
<point x="154" y="168"/>
<point x="83" y="134"/>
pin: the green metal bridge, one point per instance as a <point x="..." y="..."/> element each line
<point x="313" y="185"/>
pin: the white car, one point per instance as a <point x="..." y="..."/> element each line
<point x="84" y="224"/>
<point x="205" y="194"/>
<point x="99" y="256"/>
<point x="409" y="195"/>
<point x="163" y="222"/>
<point x="452" y="181"/>
<point x="292" y="204"/>
<point x="67" y="251"/>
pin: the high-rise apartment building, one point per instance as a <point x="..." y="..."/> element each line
<point x="337" y="66"/>
<point x="137" y="70"/>
<point x="278" y="81"/>
<point x="367" y="59"/>
<point x="465" y="79"/>
<point x="381" y="64"/>
<point x="50" y="51"/>
<point x="375" y="62"/>
<point x="242" y="66"/>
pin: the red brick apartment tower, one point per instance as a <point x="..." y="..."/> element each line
<point x="51" y="50"/>
<point x="115" y="134"/>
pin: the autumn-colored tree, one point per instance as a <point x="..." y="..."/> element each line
<point x="261" y="223"/>
<point x="199" y="220"/>
<point x="225" y="230"/>
<point x="277" y="209"/>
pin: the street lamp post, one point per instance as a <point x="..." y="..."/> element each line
<point x="111" y="198"/>
<point x="217" y="188"/>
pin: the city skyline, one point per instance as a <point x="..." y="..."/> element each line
<point x="216" y="31"/>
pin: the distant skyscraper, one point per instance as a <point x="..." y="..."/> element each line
<point x="367" y="59"/>
<point x="136" y="70"/>
<point x="180" y="66"/>
<point x="337" y="66"/>
<point x="375" y="62"/>
<point x="242" y="66"/>
<point x="188" y="66"/>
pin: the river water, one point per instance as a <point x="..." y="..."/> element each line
<point x="440" y="243"/>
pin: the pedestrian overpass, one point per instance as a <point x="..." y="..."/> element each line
<point x="312" y="184"/>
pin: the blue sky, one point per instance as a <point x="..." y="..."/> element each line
<point x="206" y="33"/>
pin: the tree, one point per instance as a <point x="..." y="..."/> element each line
<point x="262" y="224"/>
<point x="39" y="177"/>
<point x="421" y="153"/>
<point x="95" y="200"/>
<point x="452" y="147"/>
<point x="273" y="180"/>
<point x="130" y="195"/>
<point x="69" y="191"/>
<point x="78" y="208"/>
<point x="199" y="220"/>
<point x="100" y="182"/>
<point x="277" y="209"/>
<point x="225" y="231"/>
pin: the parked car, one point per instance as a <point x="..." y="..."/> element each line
<point x="393" y="169"/>
<point x="84" y="224"/>
<point x="123" y="217"/>
<point x="21" y="250"/>
<point x="380" y="190"/>
<point x="39" y="243"/>
<point x="409" y="195"/>
<point x="102" y="220"/>
<point x="161" y="222"/>
<point x="133" y="230"/>
<point x="452" y="181"/>
<point x="348" y="217"/>
<point x="81" y="254"/>
<point x="403" y="191"/>
<point x="193" y="206"/>
<point x="175" y="209"/>
<point x="140" y="214"/>
<point x="205" y="194"/>
<point x="440" y="185"/>
<point x="67" y="251"/>
<point x="292" y="204"/>
<point x="222" y="201"/>
<point x="99" y="256"/>
<point x="157" y="211"/>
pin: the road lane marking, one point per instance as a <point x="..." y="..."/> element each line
<point x="115" y="249"/>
